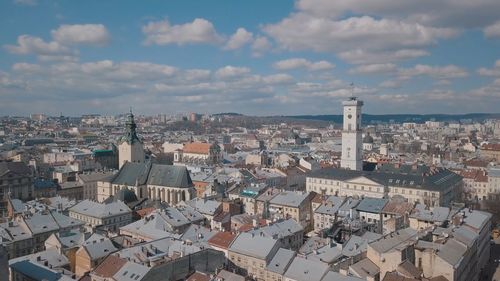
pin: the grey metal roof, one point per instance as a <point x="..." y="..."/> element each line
<point x="35" y="271"/>
<point x="355" y="246"/>
<point x="331" y="206"/>
<point x="452" y="252"/>
<point x="327" y="254"/>
<point x="372" y="205"/>
<point x="279" y="229"/>
<point x="281" y="260"/>
<point x="476" y="219"/>
<point x="365" y="268"/>
<point x="159" y="224"/>
<point x="307" y="270"/>
<point x="132" y="173"/>
<point x="100" y="210"/>
<point x="169" y="175"/>
<point x="253" y="245"/>
<point x="437" y="214"/>
<point x="19" y="168"/>
<point x="131" y="271"/>
<point x="289" y="198"/>
<point x="408" y="176"/>
<point x="401" y="238"/>
<point x="95" y="176"/>
<point x="99" y="246"/>
<point x="465" y="235"/>
<point x="197" y="234"/>
<point x="206" y="207"/>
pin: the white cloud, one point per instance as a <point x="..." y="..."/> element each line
<point x="454" y="13"/>
<point x="90" y="34"/>
<point x="26" y="67"/>
<point x="493" y="30"/>
<point x="359" y="56"/>
<point x="436" y="72"/>
<point x="240" y="38"/>
<point x="390" y="84"/>
<point x="129" y="70"/>
<point x="279" y="78"/>
<point x="198" y="31"/>
<point x="295" y="63"/>
<point x="231" y="71"/>
<point x="302" y="31"/>
<point x="495" y="71"/>
<point x="27" y="44"/>
<point x="378" y="68"/>
<point x="260" y="45"/>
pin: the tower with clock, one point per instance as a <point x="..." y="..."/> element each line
<point x="352" y="149"/>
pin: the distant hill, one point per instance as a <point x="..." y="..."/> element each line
<point x="400" y="118"/>
<point x="227" y="114"/>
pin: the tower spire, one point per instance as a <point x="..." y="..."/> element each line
<point x="131" y="133"/>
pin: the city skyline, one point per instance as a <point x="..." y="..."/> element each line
<point x="293" y="58"/>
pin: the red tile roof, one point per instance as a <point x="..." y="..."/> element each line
<point x="197" y="276"/>
<point x="222" y="239"/>
<point x="110" y="266"/>
<point x="491" y="146"/>
<point x="197" y="148"/>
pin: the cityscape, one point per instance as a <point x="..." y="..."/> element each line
<point x="309" y="140"/>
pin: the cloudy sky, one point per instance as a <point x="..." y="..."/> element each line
<point x="252" y="57"/>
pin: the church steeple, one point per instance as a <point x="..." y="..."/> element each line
<point x="130" y="148"/>
<point x="131" y="133"/>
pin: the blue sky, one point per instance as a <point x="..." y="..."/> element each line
<point x="253" y="57"/>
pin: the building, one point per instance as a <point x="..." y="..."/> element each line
<point x="89" y="181"/>
<point x="370" y="211"/>
<point x="368" y="142"/>
<point x="93" y="251"/>
<point x="392" y="249"/>
<point x="294" y="205"/>
<point x="327" y="213"/>
<point x="352" y="152"/>
<point x="417" y="183"/>
<point x="27" y="233"/>
<point x="130" y="148"/>
<point x="44" y="265"/>
<point x="289" y="233"/>
<point x="109" y="216"/>
<point x="16" y="181"/>
<point x="491" y="151"/>
<point x="494" y="184"/>
<point x="250" y="254"/>
<point x="167" y="183"/>
<point x="279" y="264"/>
<point x="107" y="158"/>
<point x="198" y="153"/>
<point x="305" y="269"/>
<point x="168" y="222"/>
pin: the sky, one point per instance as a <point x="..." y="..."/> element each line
<point x="256" y="57"/>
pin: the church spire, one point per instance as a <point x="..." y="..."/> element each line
<point x="131" y="134"/>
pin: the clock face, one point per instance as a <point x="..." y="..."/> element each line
<point x="349" y="116"/>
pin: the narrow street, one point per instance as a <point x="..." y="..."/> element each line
<point x="493" y="270"/>
<point x="4" y="264"/>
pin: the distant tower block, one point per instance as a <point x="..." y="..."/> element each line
<point x="352" y="145"/>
